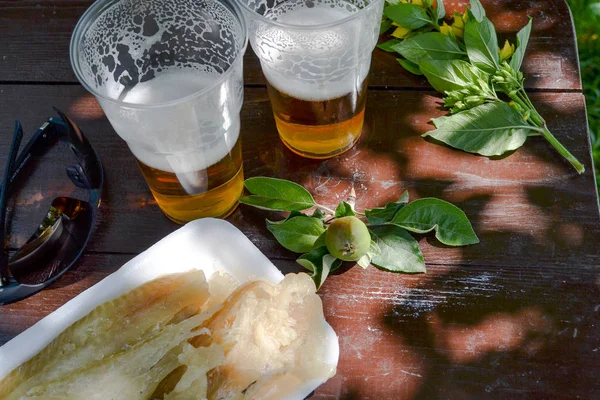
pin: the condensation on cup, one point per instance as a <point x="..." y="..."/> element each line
<point x="168" y="75"/>
<point x="315" y="56"/>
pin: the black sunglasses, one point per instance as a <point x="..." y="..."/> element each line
<point x="63" y="234"/>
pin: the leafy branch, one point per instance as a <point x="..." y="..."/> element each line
<point x="490" y="111"/>
<point x="378" y="236"/>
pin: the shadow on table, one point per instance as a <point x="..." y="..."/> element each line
<point x="511" y="332"/>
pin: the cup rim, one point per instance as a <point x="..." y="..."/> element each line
<point x="342" y="21"/>
<point x="99" y="7"/>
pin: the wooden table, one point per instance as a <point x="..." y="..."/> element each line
<point x="514" y="317"/>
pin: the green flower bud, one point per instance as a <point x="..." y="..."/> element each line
<point x="454" y="95"/>
<point x="483" y="84"/>
<point x="473" y="88"/>
<point x="515" y="106"/>
<point x="473" y="100"/>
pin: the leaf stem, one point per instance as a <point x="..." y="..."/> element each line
<point x="562" y="150"/>
<point x="327" y="209"/>
<point x="521" y="98"/>
<point x="523" y="94"/>
<point x="434" y="21"/>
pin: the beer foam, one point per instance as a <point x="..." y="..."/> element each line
<point x="320" y="91"/>
<point x="169" y="86"/>
<point x="182" y="137"/>
<point x="313" y="65"/>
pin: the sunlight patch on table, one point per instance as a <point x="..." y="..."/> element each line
<point x="525" y="331"/>
<point x="86" y="107"/>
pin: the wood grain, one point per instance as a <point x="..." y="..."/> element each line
<point x="513" y="317"/>
<point x="458" y="332"/>
<point x="40" y="52"/>
<point x="527" y="208"/>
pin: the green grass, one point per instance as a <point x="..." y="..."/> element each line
<point x="586" y="14"/>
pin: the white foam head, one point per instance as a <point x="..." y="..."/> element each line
<point x="181" y="136"/>
<point x="314" y="64"/>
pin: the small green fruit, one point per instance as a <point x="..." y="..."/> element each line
<point x="348" y="238"/>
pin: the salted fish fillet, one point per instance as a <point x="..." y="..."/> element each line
<point x="132" y="374"/>
<point x="273" y="339"/>
<point x="193" y="385"/>
<point x="108" y="329"/>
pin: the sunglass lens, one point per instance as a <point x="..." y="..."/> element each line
<point x="57" y="243"/>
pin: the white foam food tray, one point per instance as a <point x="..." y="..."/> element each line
<point x="208" y="244"/>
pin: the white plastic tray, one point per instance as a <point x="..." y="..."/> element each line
<point x="207" y="244"/>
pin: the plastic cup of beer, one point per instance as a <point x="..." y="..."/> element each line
<point x="168" y="75"/>
<point x="315" y="55"/>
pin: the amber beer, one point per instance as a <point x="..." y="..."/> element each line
<point x="215" y="193"/>
<point x="172" y="88"/>
<point x="315" y="56"/>
<point x="319" y="128"/>
<point x="193" y="170"/>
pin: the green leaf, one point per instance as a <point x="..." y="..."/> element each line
<point x="320" y="263"/>
<point x="344" y="210"/>
<point x="399" y="251"/>
<point x="385" y="25"/>
<point x="409" y="66"/>
<point x="377" y="216"/>
<point x="292" y="215"/>
<point x="451" y="225"/>
<point x="404" y="197"/>
<point x="309" y="265"/>
<point x="373" y="251"/>
<point x="320" y="242"/>
<point x="389" y="45"/>
<point x="490" y="129"/>
<point x="298" y="234"/>
<point x="277" y="194"/>
<point x="449" y="75"/>
<point x="522" y="40"/>
<point x="477" y="10"/>
<point x="441" y="10"/>
<point x="409" y="16"/>
<point x="429" y="46"/>
<point x="482" y="45"/>
<point x="318" y="213"/>
<point x="364" y="261"/>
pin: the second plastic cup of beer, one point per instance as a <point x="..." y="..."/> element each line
<point x="168" y="75"/>
<point x="315" y="55"/>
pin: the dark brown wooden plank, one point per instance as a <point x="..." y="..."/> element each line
<point x="35" y="44"/>
<point x="457" y="332"/>
<point x="529" y="208"/>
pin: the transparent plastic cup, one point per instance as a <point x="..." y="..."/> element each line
<point x="168" y="75"/>
<point x="315" y="55"/>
